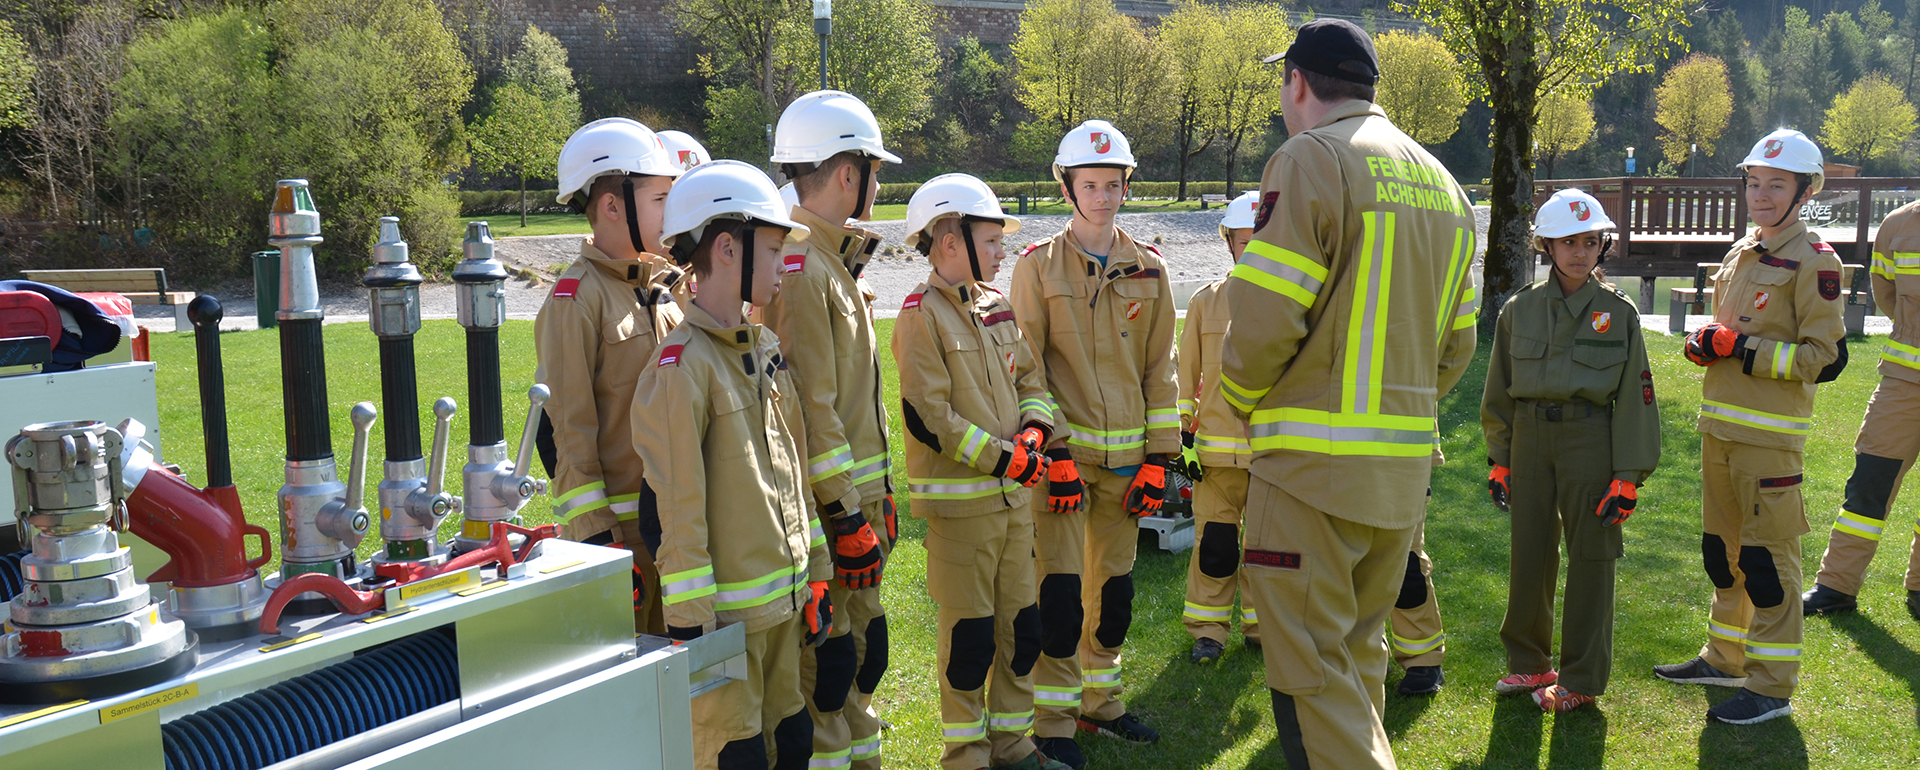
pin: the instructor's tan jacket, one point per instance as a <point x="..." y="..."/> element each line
<point x="825" y="323"/>
<point x="1896" y="290"/>
<point x="968" y="386"/>
<point x="1784" y="294"/>
<point x="715" y="421"/>
<point x="597" y="330"/>
<point x="1353" y="311"/>
<point x="1105" y="337"/>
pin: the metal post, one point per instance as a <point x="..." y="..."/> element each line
<point x="823" y="26"/>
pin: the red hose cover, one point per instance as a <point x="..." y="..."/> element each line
<point x="202" y="532"/>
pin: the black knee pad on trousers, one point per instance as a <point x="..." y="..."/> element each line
<point x="1713" y="556"/>
<point x="1219" y="550"/>
<point x="1871" y="484"/>
<point x="970" y="653"/>
<point x="1286" y="722"/>
<point x="793" y="739"/>
<point x="1763" y="578"/>
<point x="874" y="665"/>
<point x="1026" y="640"/>
<point x="748" y="753"/>
<point x="1116" y="611"/>
<point x="1061" y="615"/>
<point x="834" y="664"/>
<point x="1413" y="587"/>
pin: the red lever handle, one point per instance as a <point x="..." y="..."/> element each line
<point x="344" y="597"/>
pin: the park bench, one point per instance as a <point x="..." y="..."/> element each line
<point x="141" y="285"/>
<point x="1698" y="298"/>
<point x="1211" y="199"/>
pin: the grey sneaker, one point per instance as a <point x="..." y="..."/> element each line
<point x="1747" y="707"/>
<point x="1698" y="671"/>
<point x="1206" y="651"/>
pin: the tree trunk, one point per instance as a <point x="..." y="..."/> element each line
<point x="1509" y="257"/>
<point x="1233" y="162"/>
<point x="1181" y="194"/>
<point x="523" y="201"/>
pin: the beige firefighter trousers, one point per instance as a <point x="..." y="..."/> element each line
<point x="1753" y="515"/>
<point x="1890" y="434"/>
<point x="980" y="573"/>
<point x="1094" y="549"/>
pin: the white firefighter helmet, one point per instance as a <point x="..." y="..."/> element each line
<point x="952" y="195"/>
<point x="685" y="151"/>
<point x="789" y="196"/>
<point x="1791" y="151"/>
<point x="1242" y="212"/>
<point x="822" y="124"/>
<point x="1093" y="143"/>
<point x="610" y="146"/>
<point x="1570" y="212"/>
<point x="723" y="189"/>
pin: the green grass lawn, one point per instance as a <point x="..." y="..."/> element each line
<point x="1855" y="707"/>
<point x="508" y="225"/>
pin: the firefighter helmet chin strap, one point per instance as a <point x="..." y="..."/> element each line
<point x="633" y="215"/>
<point x="746" y="262"/>
<point x="973" y="254"/>
<point x="866" y="178"/>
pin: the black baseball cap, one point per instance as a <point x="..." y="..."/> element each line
<point x="1336" y="48"/>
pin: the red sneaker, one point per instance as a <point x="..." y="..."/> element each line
<point x="1560" y="700"/>
<point x="1519" y="683"/>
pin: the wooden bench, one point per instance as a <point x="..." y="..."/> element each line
<point x="141" y="285"/>
<point x="1698" y="298"/>
<point x="1210" y="199"/>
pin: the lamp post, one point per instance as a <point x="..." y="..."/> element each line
<point x="823" y="26"/>
<point x="1692" y="150"/>
<point x="1630" y="162"/>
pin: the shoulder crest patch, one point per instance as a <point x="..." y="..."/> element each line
<point x="1267" y="203"/>
<point x="1830" y="284"/>
<point x="1823" y="247"/>
<point x="793" y="263"/>
<point x="1030" y="248"/>
<point x="670" y="355"/>
<point x="913" y="301"/>
<point x="566" y="287"/>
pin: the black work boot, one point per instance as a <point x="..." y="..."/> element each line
<point x="1826" y="601"/>
<point x="1913" y="604"/>
<point x="1205" y="650"/>
<point x="1062" y="750"/>
<point x="1421" y="680"/>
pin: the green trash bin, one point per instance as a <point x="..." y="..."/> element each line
<point x="266" y="287"/>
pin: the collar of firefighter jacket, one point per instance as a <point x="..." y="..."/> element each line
<point x="853" y="245"/>
<point x="1126" y="251"/>
<point x="1351" y="108"/>
<point x="1786" y="236"/>
<point x="635" y="272"/>
<point x="963" y="294"/>
<point x="744" y="337"/>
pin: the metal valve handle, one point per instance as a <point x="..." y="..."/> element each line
<point x="362" y="416"/>
<point x="443" y="411"/>
<point x="522" y="460"/>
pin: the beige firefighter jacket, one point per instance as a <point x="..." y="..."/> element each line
<point x="968" y="386"/>
<point x="1219" y="435"/>
<point x="720" y="445"/>
<point x="1784" y="294"/>
<point x="825" y="324"/>
<point x="598" y="328"/>
<point x="1353" y="312"/>
<point x="1105" y="337"/>
<point x="1896" y="290"/>
<point x="1588" y="347"/>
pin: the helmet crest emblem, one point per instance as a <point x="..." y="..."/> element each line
<point x="1580" y="210"/>
<point x="1101" y="142"/>
<point x="1773" y="148"/>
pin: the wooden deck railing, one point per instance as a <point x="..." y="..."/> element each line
<point x="1669" y="210"/>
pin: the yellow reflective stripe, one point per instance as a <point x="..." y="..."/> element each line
<point x="1367" y="329"/>
<point x="1100" y="678"/>
<point x="687" y="585"/>
<point x="1754" y="418"/>
<point x="579" y="500"/>
<point x="1202" y="612"/>
<point x="824" y="759"/>
<point x="1417" y="646"/>
<point x="1783" y="360"/>
<point x="1453" y="278"/>
<point x="1858" y="525"/>
<point x="1905" y="263"/>
<point x="1902" y="354"/>
<point x="1010" y="722"/>
<point x="866" y="747"/>
<point x="1162" y="417"/>
<point x="1222" y="444"/>
<point x="1243" y="398"/>
<point x="1883" y="265"/>
<point x="1055" y="697"/>
<point x="1036" y="405"/>
<point x="871" y="468"/>
<point x="828" y="463"/>
<point x="963" y="732"/>
<point x="967" y="488"/>
<point x="1773" y="650"/>
<point x="1281" y="271"/>
<point x="1187" y="407"/>
<point x="625" y="507"/>
<point x="815" y="535"/>
<point x="971" y="443"/>
<point x="1126" y="438"/>
<point x="1718" y="630"/>
<point x="753" y="593"/>
<point x="1248" y="616"/>
<point x="1312" y="430"/>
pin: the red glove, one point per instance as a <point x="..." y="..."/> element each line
<point x="1713" y="342"/>
<point x="1065" y="493"/>
<point x="892" y="517"/>
<point x="1499" y="484"/>
<point x="1024" y="465"/>
<point x="1149" y="487"/>
<point x="857" y="560"/>
<point x="1618" y="504"/>
<point x="1033" y="437"/>
<point x="818" y="612"/>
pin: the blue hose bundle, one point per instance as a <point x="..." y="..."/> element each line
<point x="11" y="583"/>
<point x="307" y="712"/>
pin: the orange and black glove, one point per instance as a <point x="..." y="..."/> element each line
<point x="1065" y="493"/>
<point x="1713" y="342"/>
<point x="1023" y="465"/>
<point x="818" y="613"/>
<point x="1618" y="504"/>
<point x="857" y="559"/>
<point x="1499" y="484"/>
<point x="1149" y="488"/>
<point x="892" y="517"/>
<point x="1033" y="436"/>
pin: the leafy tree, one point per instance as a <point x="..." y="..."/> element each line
<point x="737" y="121"/>
<point x="1055" y="54"/>
<point x="1127" y="83"/>
<point x="977" y="86"/>
<point x="1799" y="70"/>
<point x="1421" y="86"/>
<point x="1726" y="40"/>
<point x="1566" y="123"/>
<point x="742" y="41"/>
<point x="1870" y="120"/>
<point x="1246" y="89"/>
<point x="531" y="113"/>
<point x="1524" y="49"/>
<point x="881" y="51"/>
<point x="1192" y="36"/>
<point x="540" y="68"/>
<point x="16" y="78"/>
<point x="1695" y="101"/>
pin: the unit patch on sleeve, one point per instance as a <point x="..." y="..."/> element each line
<point x="913" y="301"/>
<point x="1829" y="284"/>
<point x="1823" y="246"/>
<point x="793" y="263"/>
<point x="565" y="287"/>
<point x="670" y="355"/>
<point x="1266" y="210"/>
<point x="1646" y="386"/>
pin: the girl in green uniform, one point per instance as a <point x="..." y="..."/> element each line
<point x="1572" y="430"/>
